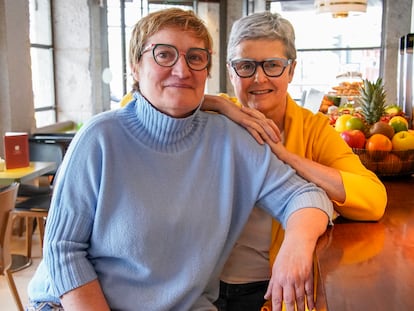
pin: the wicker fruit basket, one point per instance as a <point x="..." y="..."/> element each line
<point x="387" y="163"/>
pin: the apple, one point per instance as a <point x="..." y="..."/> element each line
<point x="402" y="140"/>
<point x="399" y="123"/>
<point x="354" y="138"/>
<point x="340" y="124"/>
<point x="354" y="123"/>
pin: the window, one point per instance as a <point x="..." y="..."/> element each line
<point x="329" y="47"/>
<point x="122" y="16"/>
<point x="41" y="52"/>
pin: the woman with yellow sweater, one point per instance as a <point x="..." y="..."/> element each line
<point x="261" y="62"/>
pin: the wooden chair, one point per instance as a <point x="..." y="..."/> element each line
<point x="34" y="205"/>
<point x="7" y="201"/>
<point x="34" y="208"/>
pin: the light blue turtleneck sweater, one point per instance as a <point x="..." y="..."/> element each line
<point x="152" y="205"/>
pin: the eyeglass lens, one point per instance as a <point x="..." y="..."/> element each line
<point x="271" y="67"/>
<point x="167" y="55"/>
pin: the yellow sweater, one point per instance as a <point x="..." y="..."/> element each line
<point x="126" y="99"/>
<point x="309" y="135"/>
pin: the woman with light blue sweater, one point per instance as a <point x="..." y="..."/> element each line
<point x="150" y="199"/>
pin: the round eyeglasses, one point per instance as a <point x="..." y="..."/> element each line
<point x="272" y="67"/>
<point x="167" y="55"/>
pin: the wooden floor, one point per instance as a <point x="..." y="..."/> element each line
<point x="21" y="277"/>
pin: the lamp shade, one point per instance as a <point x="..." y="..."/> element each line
<point x="340" y="8"/>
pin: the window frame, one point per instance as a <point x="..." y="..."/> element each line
<point x="145" y="8"/>
<point x="38" y="109"/>
<point x="298" y="83"/>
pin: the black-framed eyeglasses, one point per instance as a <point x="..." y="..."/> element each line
<point x="167" y="55"/>
<point x="272" y="67"/>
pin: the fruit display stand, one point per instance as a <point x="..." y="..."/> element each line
<point x="387" y="163"/>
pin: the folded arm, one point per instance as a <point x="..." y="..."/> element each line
<point x="328" y="178"/>
<point x="265" y="130"/>
<point x="292" y="274"/>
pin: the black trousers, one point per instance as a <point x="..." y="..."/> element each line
<point x="241" y="297"/>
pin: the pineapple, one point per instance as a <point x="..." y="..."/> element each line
<point x="372" y="101"/>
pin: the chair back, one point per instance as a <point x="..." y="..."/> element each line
<point x="46" y="152"/>
<point x="7" y="202"/>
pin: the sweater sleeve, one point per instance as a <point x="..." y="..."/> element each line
<point x="366" y="197"/>
<point x="285" y="192"/>
<point x="70" y="219"/>
<point x="312" y="137"/>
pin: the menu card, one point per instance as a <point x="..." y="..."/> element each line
<point x="16" y="149"/>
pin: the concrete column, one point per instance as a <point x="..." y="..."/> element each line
<point x="397" y="20"/>
<point x="16" y="94"/>
<point x="80" y="37"/>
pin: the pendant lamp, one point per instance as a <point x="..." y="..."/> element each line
<point x="340" y="8"/>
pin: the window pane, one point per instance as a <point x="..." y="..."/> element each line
<point x="155" y="7"/>
<point x="115" y="61"/>
<point x="41" y="54"/>
<point x="328" y="47"/>
<point x="319" y="69"/>
<point x="42" y="72"/>
<point x="321" y="30"/>
<point x="44" y="118"/>
<point x="40" y="21"/>
<point x="134" y="10"/>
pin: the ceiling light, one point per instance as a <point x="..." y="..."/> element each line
<point x="340" y="8"/>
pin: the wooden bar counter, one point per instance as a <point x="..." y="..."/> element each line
<point x="367" y="266"/>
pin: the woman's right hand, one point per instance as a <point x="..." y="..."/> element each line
<point x="260" y="127"/>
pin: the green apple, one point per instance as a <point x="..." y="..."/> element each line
<point x="403" y="140"/>
<point x="354" y="123"/>
<point x="399" y="123"/>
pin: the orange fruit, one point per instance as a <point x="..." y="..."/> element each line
<point x="378" y="142"/>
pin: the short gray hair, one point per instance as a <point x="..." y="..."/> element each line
<point x="263" y="25"/>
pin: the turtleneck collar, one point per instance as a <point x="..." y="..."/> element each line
<point x="160" y="131"/>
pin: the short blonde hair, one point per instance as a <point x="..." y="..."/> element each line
<point x="154" y="22"/>
<point x="262" y="26"/>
